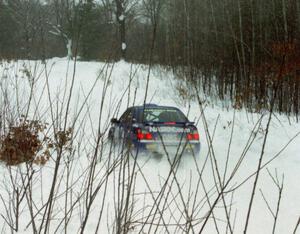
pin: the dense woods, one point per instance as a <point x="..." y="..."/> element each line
<point x="246" y="51"/>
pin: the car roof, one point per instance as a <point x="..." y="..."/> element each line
<point x="139" y="109"/>
<point x="154" y="106"/>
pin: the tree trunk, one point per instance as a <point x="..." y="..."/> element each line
<point x="284" y="20"/>
<point x="120" y="14"/>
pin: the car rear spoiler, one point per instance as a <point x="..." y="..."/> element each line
<point x="156" y="123"/>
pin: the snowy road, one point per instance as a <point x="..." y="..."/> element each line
<point x="101" y="91"/>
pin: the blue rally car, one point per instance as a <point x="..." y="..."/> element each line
<point x="156" y="129"/>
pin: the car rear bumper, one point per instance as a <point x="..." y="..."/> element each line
<point x="171" y="148"/>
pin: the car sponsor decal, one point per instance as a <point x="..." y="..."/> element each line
<point x="169" y="129"/>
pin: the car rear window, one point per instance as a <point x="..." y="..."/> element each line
<point x="162" y="115"/>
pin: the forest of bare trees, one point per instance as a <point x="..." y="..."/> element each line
<point x="247" y="51"/>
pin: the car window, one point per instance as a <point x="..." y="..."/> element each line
<point x="126" y="117"/>
<point x="162" y="115"/>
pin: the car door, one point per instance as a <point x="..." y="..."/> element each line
<point x="125" y="125"/>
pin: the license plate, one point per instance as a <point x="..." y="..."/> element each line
<point x="169" y="137"/>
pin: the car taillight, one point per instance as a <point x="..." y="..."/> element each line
<point x="196" y="136"/>
<point x="148" y="136"/>
<point x="189" y="136"/>
<point x="141" y="135"/>
<point x="193" y="136"/>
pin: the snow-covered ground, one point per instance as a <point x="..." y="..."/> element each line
<point x="102" y="91"/>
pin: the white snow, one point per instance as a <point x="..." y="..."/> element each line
<point x="124" y="46"/>
<point x="89" y="94"/>
<point x="121" y="17"/>
<point x="69" y="48"/>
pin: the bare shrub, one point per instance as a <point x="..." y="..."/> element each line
<point x="64" y="138"/>
<point x="23" y="143"/>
